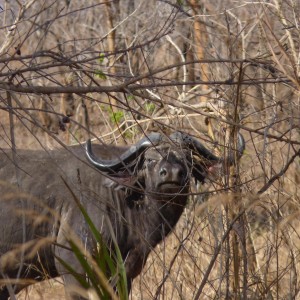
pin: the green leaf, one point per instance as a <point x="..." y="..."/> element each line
<point x="104" y="262"/>
<point x="122" y="282"/>
<point x="116" y="116"/>
<point x="101" y="57"/>
<point x="130" y="97"/>
<point x="100" y="74"/>
<point x="77" y="276"/>
<point x="149" y="107"/>
<point x="90" y="274"/>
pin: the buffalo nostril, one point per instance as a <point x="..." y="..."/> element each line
<point x="163" y="172"/>
<point x="180" y="174"/>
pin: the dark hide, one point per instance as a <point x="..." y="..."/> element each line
<point x="142" y="203"/>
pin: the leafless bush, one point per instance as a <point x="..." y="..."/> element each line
<point x="207" y="69"/>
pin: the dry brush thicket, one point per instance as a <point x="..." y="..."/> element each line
<point x="114" y="70"/>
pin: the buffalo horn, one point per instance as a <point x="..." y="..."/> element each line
<point x="129" y="155"/>
<point x="195" y="145"/>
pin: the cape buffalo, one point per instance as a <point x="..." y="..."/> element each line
<point x="140" y="192"/>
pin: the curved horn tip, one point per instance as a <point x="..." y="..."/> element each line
<point x="88" y="150"/>
<point x="241" y="144"/>
<point x="88" y="145"/>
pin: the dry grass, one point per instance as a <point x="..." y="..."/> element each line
<point x="248" y="79"/>
<point x="177" y="266"/>
<point x="51" y="289"/>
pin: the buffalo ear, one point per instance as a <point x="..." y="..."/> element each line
<point x="118" y="183"/>
<point x="209" y="170"/>
<point x="199" y="173"/>
<point x="132" y="188"/>
<point x="124" y="182"/>
<point x="112" y="184"/>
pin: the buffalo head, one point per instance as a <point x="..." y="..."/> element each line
<point x="161" y="166"/>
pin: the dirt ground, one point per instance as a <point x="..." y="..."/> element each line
<point x="47" y="290"/>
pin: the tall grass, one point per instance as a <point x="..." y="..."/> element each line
<point x="105" y="275"/>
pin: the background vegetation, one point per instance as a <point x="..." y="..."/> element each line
<point x="113" y="70"/>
